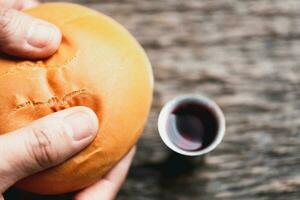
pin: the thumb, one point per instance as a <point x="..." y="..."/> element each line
<point x="24" y="36"/>
<point x="45" y="143"/>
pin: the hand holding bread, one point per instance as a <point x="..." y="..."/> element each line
<point x="74" y="98"/>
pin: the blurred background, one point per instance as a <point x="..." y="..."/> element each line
<point x="245" y="54"/>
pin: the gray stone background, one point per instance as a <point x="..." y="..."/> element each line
<point x="245" y="54"/>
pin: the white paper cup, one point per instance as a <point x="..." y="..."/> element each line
<point x="201" y="101"/>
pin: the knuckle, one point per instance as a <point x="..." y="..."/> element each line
<point x="41" y="148"/>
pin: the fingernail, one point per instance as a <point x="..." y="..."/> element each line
<point x="81" y="125"/>
<point x="40" y="35"/>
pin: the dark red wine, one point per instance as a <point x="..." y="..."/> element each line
<point x="192" y="126"/>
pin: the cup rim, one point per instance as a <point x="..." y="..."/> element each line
<point x="169" y="107"/>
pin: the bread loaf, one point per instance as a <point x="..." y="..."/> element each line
<point x="98" y="65"/>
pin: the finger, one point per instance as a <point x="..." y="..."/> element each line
<point x="25" y="36"/>
<point x="18" y="4"/>
<point x="45" y="143"/>
<point x="108" y="187"/>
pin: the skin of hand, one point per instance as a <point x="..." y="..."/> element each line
<point x="53" y="139"/>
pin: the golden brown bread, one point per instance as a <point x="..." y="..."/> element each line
<point x="99" y="65"/>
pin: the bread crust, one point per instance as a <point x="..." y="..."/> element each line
<point x="99" y="65"/>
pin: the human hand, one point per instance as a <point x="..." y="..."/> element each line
<point x="25" y="36"/>
<point x="104" y="189"/>
<point x="50" y="141"/>
<point x="45" y="143"/>
<point x="54" y="138"/>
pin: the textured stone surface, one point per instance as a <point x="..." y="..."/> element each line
<point x="246" y="56"/>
